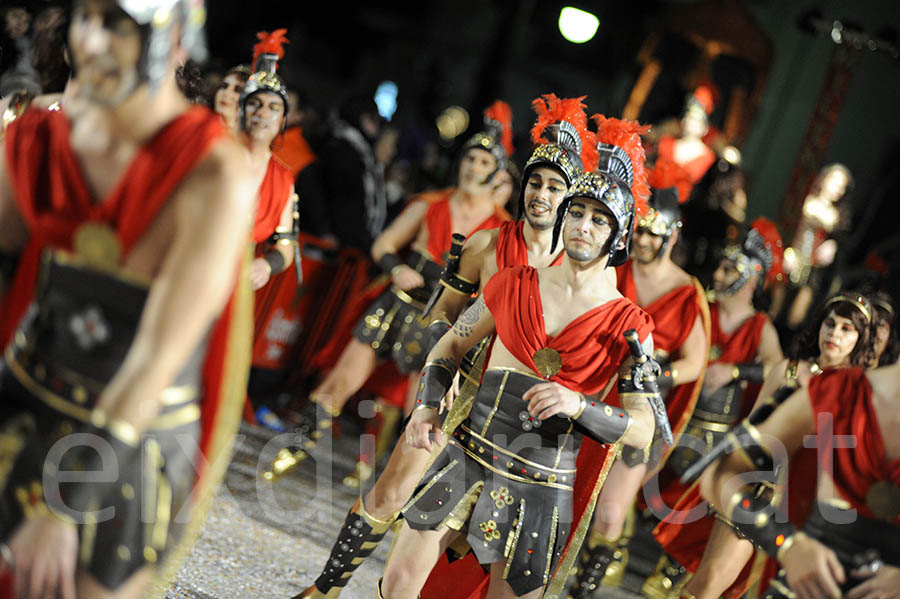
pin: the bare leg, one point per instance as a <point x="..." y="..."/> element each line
<point x="87" y="586"/>
<point x="396" y="484"/>
<point x="500" y="589"/>
<point x="621" y="487"/>
<point x="356" y="363"/>
<point x="725" y="556"/>
<point x="415" y="554"/>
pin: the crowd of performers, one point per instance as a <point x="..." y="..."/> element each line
<point x="580" y="411"/>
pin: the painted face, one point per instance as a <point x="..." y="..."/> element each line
<point x="227" y="96"/>
<point x="588" y="226"/>
<point x="544" y="191"/>
<point x="725" y="275"/>
<point x="645" y="246"/>
<point x="263" y="116"/>
<point x="474" y="168"/>
<point x="837" y="338"/>
<point x="106" y="48"/>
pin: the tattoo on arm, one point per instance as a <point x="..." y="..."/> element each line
<point x="466" y="323"/>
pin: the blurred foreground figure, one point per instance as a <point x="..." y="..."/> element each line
<point x="123" y="224"/>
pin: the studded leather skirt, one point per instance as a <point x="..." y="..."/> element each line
<point x="505" y="481"/>
<point x="391" y="324"/>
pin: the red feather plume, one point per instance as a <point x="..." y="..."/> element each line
<point x="627" y="135"/>
<point x="550" y="109"/>
<point x="501" y="112"/>
<point x="769" y="232"/>
<point x="668" y="173"/>
<point x="269" y="43"/>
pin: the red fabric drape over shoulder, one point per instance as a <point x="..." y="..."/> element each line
<point x="439" y="222"/>
<point x="591" y="346"/>
<point x="274" y="193"/>
<point x="54" y="199"/>
<point x="846" y="396"/>
<point x="686" y="541"/>
<point x="511" y="249"/>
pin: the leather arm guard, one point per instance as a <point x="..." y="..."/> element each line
<point x="665" y="380"/>
<point x="434" y="383"/>
<point x="275" y="261"/>
<point x="751" y="372"/>
<point x="602" y="421"/>
<point x="450" y="275"/>
<point x="100" y="461"/>
<point x="389" y="262"/>
<point x="744" y="439"/>
<point x="753" y="516"/>
<point x="436" y="330"/>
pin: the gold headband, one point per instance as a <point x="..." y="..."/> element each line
<point x="884" y="305"/>
<point x="857" y="300"/>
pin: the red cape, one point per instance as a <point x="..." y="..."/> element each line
<point x="591" y="347"/>
<point x="673" y="317"/>
<point x="54" y="200"/>
<point x="274" y="193"/>
<point x="686" y="542"/>
<point x="511" y="249"/>
<point x="439" y="223"/>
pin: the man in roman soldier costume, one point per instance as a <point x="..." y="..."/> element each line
<point x="104" y="335"/>
<point x="263" y="105"/>
<point x="744" y="348"/>
<point x="677" y="304"/>
<point x="561" y="137"/>
<point x="505" y="482"/>
<point x="850" y="545"/>
<point x="391" y="328"/>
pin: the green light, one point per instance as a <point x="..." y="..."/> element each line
<point x="576" y="25"/>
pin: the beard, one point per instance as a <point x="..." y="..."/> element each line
<point x="542" y="221"/>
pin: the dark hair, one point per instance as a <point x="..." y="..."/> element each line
<point x="881" y="301"/>
<point x="806" y="346"/>
<point x="354" y="107"/>
<point x="51" y="44"/>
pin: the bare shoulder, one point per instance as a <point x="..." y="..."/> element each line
<point x="482" y="241"/>
<point x="222" y="176"/>
<point x="885" y="381"/>
<point x="681" y="278"/>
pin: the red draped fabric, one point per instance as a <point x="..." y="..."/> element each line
<point x="439" y="222"/>
<point x="673" y="317"/>
<point x="54" y="200"/>
<point x="274" y="193"/>
<point x="513" y="297"/>
<point x="696" y="168"/>
<point x="686" y="541"/>
<point x="511" y="249"/>
<point x="846" y="395"/>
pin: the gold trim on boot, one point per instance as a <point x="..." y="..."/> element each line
<point x="615" y="571"/>
<point x="288" y="458"/>
<point x="667" y="581"/>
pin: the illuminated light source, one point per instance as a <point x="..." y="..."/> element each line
<point x="386" y="99"/>
<point x="576" y="25"/>
<point x="732" y="155"/>
<point x="452" y="122"/>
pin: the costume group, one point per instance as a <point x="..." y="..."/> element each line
<point x="521" y="491"/>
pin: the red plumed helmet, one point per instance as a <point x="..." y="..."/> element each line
<point x="668" y="173"/>
<point x="501" y="113"/>
<point x="269" y="43"/>
<point x="550" y="110"/>
<point x="626" y="135"/>
<point x="770" y="236"/>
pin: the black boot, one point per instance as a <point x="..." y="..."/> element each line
<point x="358" y="537"/>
